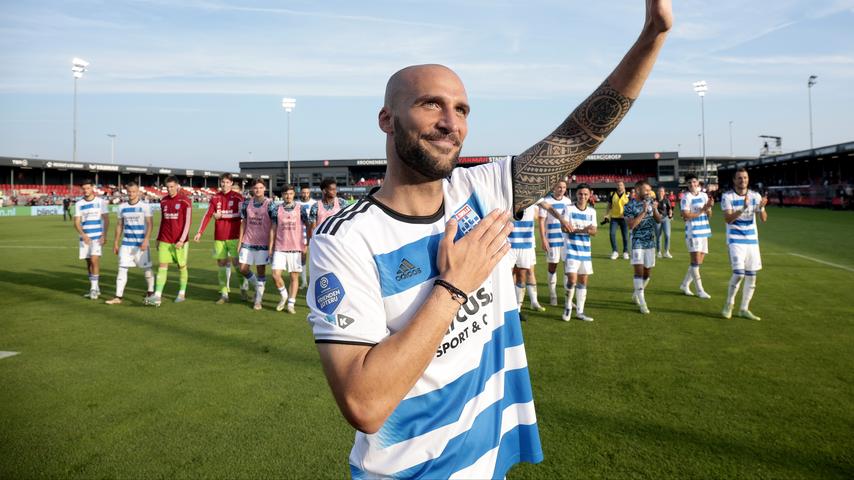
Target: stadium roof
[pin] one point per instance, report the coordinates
(104, 167)
(830, 150)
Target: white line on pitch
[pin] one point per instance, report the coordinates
(843, 267)
(7, 354)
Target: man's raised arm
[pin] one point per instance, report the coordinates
(558, 155)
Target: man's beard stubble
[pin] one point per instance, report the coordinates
(418, 159)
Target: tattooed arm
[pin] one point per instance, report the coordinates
(538, 168)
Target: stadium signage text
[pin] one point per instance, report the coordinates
(137, 169)
(22, 163)
(64, 165)
(376, 161)
(108, 168)
(605, 156)
(190, 173)
(165, 171)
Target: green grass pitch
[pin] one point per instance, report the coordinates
(200, 390)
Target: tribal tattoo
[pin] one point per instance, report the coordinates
(537, 169)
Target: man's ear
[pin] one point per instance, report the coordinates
(385, 120)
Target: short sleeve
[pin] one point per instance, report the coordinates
(243, 206)
(684, 205)
(344, 298)
(146, 209)
(312, 212)
(726, 202)
(629, 211)
(77, 212)
(492, 182)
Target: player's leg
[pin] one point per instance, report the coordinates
(246, 271)
(752, 266)
(94, 276)
(530, 279)
(613, 236)
(164, 257)
(232, 247)
(220, 254)
(293, 288)
(685, 286)
(658, 229)
(638, 279)
(667, 225)
(571, 277)
(581, 295)
(280, 285)
(121, 275)
(696, 261)
(180, 257)
(261, 278)
(552, 268)
(624, 231)
(518, 281)
(303, 277)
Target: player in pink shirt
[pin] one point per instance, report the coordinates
(255, 240)
(287, 246)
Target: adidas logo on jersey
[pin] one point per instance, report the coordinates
(406, 270)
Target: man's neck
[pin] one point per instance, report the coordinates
(557, 197)
(742, 191)
(329, 200)
(258, 199)
(89, 198)
(409, 193)
(132, 201)
(581, 206)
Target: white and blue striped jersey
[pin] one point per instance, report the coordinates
(522, 237)
(578, 244)
(697, 227)
(90, 212)
(471, 414)
(553, 229)
(743, 231)
(133, 220)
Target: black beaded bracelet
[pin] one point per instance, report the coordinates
(457, 295)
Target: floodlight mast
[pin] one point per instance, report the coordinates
(78, 68)
(701, 88)
(810, 83)
(289, 104)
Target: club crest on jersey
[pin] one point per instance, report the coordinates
(328, 293)
(467, 218)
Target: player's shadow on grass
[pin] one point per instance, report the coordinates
(717, 446)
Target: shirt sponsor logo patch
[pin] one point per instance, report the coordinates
(328, 293)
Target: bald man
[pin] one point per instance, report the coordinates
(412, 310)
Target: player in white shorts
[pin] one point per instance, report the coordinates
(740, 207)
(696, 207)
(551, 234)
(580, 225)
(255, 230)
(305, 203)
(132, 241)
(288, 247)
(642, 214)
(91, 220)
(522, 249)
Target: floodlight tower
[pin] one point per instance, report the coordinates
(289, 104)
(112, 147)
(810, 82)
(701, 88)
(78, 68)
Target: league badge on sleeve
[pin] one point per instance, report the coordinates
(328, 293)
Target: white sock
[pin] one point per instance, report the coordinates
(259, 288)
(181, 293)
(749, 287)
(532, 294)
(686, 282)
(249, 279)
(695, 274)
(580, 297)
(227, 276)
(292, 301)
(520, 294)
(149, 279)
(553, 284)
(638, 284)
(121, 281)
(734, 283)
(570, 295)
(646, 282)
(93, 282)
(283, 292)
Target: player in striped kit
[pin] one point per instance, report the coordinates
(579, 224)
(91, 220)
(176, 211)
(740, 207)
(696, 209)
(525, 255)
(287, 246)
(224, 207)
(412, 310)
(255, 241)
(328, 205)
(305, 203)
(642, 215)
(551, 235)
(132, 242)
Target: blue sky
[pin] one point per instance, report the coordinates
(198, 84)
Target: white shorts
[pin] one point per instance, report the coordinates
(524, 257)
(698, 245)
(580, 267)
(643, 256)
(130, 257)
(288, 261)
(253, 257)
(91, 250)
(556, 254)
(745, 257)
